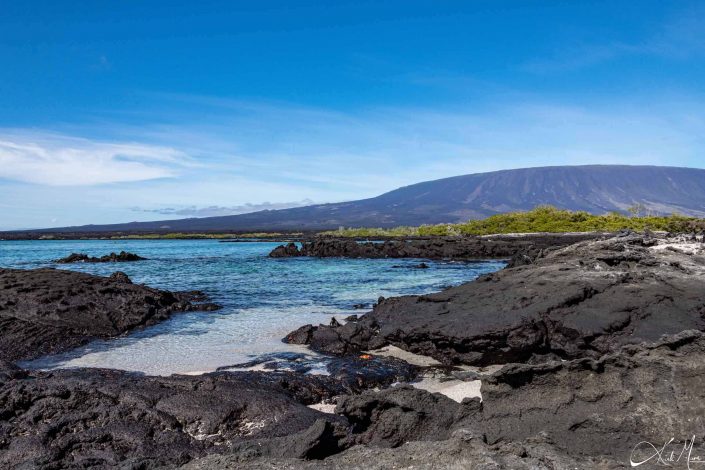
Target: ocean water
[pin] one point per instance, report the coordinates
(263, 298)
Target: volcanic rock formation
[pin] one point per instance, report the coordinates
(46, 311)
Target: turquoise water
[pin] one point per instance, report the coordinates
(262, 298)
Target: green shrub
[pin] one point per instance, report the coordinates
(540, 219)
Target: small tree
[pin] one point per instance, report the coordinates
(637, 209)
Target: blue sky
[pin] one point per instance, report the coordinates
(142, 110)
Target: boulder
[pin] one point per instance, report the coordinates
(46, 311)
(584, 300)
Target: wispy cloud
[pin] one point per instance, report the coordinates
(220, 157)
(212, 211)
(58, 160)
(582, 56)
(680, 37)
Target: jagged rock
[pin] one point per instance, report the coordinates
(285, 251)
(651, 392)
(105, 418)
(121, 257)
(9, 371)
(465, 375)
(585, 408)
(301, 336)
(45, 311)
(350, 338)
(367, 371)
(455, 453)
(320, 440)
(349, 374)
(120, 276)
(416, 266)
(584, 300)
(582, 413)
(402, 414)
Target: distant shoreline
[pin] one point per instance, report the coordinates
(122, 235)
(240, 238)
(540, 220)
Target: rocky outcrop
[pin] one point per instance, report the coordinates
(45, 311)
(285, 251)
(352, 374)
(582, 413)
(460, 452)
(584, 300)
(586, 407)
(121, 257)
(496, 246)
(105, 418)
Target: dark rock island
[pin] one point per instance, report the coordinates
(121, 257)
(488, 247)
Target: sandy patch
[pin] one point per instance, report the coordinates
(454, 389)
(689, 248)
(323, 407)
(411, 358)
(194, 372)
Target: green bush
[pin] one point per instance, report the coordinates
(540, 219)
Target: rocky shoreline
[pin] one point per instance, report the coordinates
(47, 311)
(459, 248)
(584, 300)
(597, 346)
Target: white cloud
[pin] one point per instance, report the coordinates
(212, 211)
(289, 153)
(371, 151)
(58, 160)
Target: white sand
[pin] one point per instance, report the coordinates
(411, 358)
(689, 248)
(195, 372)
(324, 407)
(454, 389)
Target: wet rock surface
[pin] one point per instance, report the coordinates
(121, 257)
(497, 246)
(584, 300)
(351, 374)
(46, 311)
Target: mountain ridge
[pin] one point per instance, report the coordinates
(592, 188)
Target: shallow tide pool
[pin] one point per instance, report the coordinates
(262, 298)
